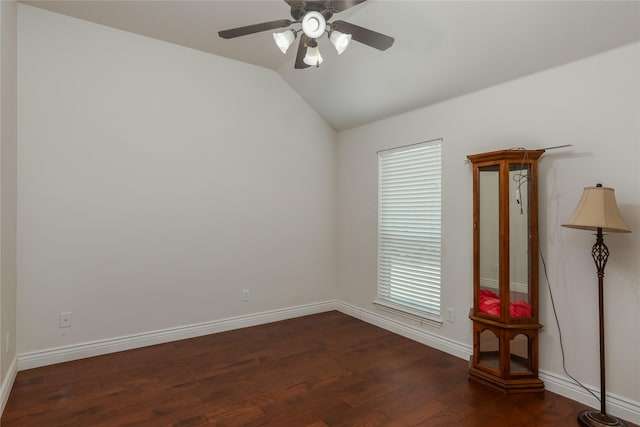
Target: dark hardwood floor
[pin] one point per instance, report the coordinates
(322, 370)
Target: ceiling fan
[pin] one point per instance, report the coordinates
(313, 16)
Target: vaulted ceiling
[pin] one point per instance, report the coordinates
(442, 49)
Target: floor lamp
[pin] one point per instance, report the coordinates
(598, 211)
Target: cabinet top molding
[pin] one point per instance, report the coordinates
(513, 154)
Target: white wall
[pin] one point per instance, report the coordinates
(8, 184)
(156, 182)
(593, 104)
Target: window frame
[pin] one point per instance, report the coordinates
(426, 312)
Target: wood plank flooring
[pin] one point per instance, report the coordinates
(322, 370)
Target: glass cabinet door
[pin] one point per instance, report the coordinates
(519, 242)
(489, 239)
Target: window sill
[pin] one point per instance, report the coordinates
(418, 316)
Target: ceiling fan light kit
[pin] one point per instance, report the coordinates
(339, 40)
(313, 56)
(313, 15)
(284, 39)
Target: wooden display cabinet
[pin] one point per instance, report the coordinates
(505, 270)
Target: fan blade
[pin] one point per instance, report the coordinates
(364, 35)
(340, 5)
(255, 28)
(302, 51)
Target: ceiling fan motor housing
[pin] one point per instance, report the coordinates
(313, 24)
(300, 9)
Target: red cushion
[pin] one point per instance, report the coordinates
(490, 304)
(520, 309)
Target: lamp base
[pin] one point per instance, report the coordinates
(598, 419)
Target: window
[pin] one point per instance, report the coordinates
(409, 232)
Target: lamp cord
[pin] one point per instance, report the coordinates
(555, 314)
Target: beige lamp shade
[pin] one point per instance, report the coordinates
(598, 209)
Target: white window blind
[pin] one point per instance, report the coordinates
(409, 228)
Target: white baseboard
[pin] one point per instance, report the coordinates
(7, 384)
(438, 342)
(514, 286)
(624, 408)
(618, 406)
(51, 356)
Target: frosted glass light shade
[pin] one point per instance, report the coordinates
(339, 40)
(313, 24)
(313, 56)
(598, 209)
(284, 39)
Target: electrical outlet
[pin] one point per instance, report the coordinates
(245, 295)
(450, 315)
(64, 321)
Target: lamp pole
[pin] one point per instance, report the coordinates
(600, 254)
